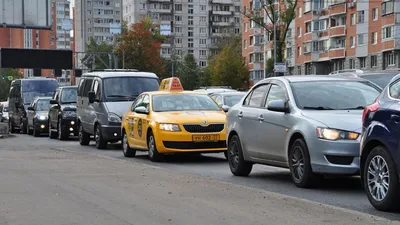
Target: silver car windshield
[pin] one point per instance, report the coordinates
(334, 95)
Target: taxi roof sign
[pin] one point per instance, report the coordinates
(171, 84)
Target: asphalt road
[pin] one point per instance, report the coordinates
(344, 192)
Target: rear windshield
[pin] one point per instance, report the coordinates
(334, 95)
(38, 88)
(380, 79)
(232, 99)
(128, 88)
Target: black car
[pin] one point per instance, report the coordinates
(62, 113)
(380, 78)
(37, 116)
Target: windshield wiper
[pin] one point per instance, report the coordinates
(317, 107)
(358, 107)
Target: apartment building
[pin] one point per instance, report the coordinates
(196, 26)
(93, 19)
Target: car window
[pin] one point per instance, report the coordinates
(145, 102)
(128, 88)
(183, 102)
(394, 89)
(55, 96)
(380, 79)
(218, 99)
(334, 95)
(275, 93)
(42, 105)
(81, 87)
(96, 89)
(88, 86)
(137, 102)
(69, 95)
(232, 99)
(258, 94)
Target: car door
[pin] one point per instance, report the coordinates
(79, 99)
(54, 110)
(248, 119)
(96, 113)
(272, 132)
(393, 113)
(131, 121)
(30, 114)
(142, 122)
(87, 109)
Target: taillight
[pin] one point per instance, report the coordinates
(370, 108)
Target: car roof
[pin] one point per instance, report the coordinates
(173, 92)
(62, 87)
(307, 78)
(120, 74)
(229, 93)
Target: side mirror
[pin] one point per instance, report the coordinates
(91, 96)
(278, 106)
(141, 110)
(225, 108)
(30, 108)
(53, 102)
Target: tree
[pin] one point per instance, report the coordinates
(98, 61)
(6, 83)
(227, 67)
(140, 47)
(188, 72)
(282, 18)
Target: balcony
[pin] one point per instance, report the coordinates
(337, 52)
(338, 9)
(308, 37)
(160, 10)
(337, 31)
(160, 0)
(222, 13)
(223, 24)
(257, 49)
(225, 2)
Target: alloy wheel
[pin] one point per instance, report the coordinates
(233, 154)
(298, 163)
(125, 143)
(151, 146)
(378, 178)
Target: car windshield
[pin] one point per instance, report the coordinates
(128, 88)
(380, 79)
(232, 100)
(183, 102)
(43, 105)
(37, 88)
(334, 95)
(69, 95)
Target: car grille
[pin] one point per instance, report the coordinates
(194, 145)
(197, 128)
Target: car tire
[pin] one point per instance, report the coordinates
(154, 155)
(36, 133)
(98, 137)
(237, 164)
(23, 128)
(300, 165)
(29, 130)
(84, 138)
(385, 176)
(62, 135)
(11, 127)
(128, 151)
(52, 134)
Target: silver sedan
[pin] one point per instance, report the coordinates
(309, 124)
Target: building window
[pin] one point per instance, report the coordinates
(203, 63)
(374, 38)
(387, 32)
(360, 39)
(308, 27)
(389, 59)
(352, 41)
(178, 18)
(203, 30)
(353, 19)
(375, 14)
(298, 51)
(299, 32)
(361, 16)
(300, 12)
(190, 11)
(203, 19)
(203, 53)
(178, 40)
(190, 45)
(178, 29)
(387, 7)
(178, 7)
(289, 53)
(352, 63)
(245, 43)
(374, 61)
(203, 8)
(363, 62)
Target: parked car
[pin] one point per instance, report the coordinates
(22, 93)
(309, 124)
(214, 89)
(103, 98)
(380, 142)
(37, 116)
(62, 113)
(228, 99)
(381, 78)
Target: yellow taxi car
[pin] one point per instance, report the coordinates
(171, 121)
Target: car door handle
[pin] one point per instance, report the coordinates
(395, 118)
(261, 118)
(240, 115)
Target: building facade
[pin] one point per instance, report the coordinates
(329, 35)
(196, 26)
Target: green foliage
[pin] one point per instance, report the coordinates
(188, 72)
(270, 65)
(228, 68)
(5, 84)
(97, 61)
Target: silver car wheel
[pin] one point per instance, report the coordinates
(125, 144)
(378, 178)
(298, 163)
(233, 155)
(151, 146)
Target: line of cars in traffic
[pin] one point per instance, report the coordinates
(311, 125)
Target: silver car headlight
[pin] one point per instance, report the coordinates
(334, 134)
(169, 127)
(69, 114)
(114, 118)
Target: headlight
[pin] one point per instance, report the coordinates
(114, 118)
(42, 117)
(333, 135)
(169, 127)
(69, 114)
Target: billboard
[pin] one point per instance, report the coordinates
(165, 29)
(30, 14)
(35, 58)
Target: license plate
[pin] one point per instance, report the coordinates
(205, 138)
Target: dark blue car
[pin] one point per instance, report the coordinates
(380, 148)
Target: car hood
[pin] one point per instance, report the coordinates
(68, 107)
(194, 117)
(348, 120)
(42, 113)
(119, 108)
